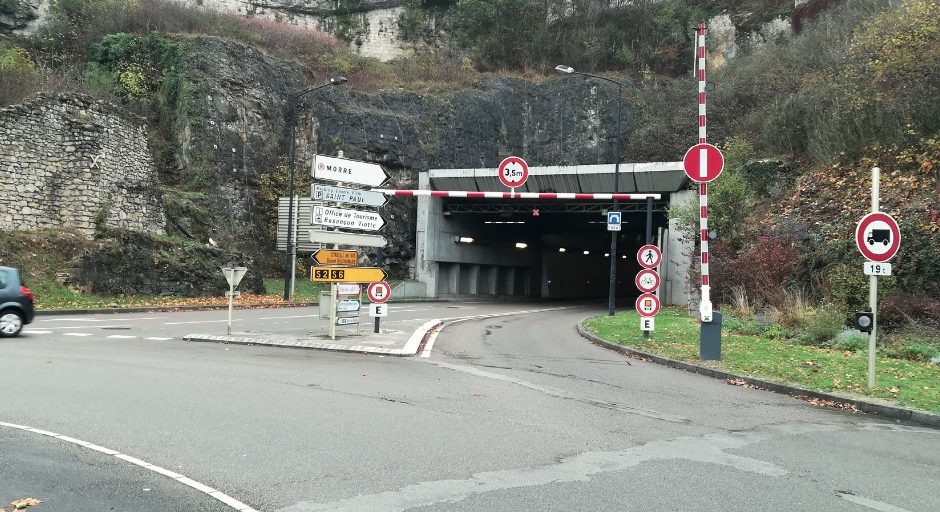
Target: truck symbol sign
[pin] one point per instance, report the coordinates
(882, 236)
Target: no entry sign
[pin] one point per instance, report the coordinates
(513, 171)
(878, 237)
(703, 163)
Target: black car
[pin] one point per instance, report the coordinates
(16, 303)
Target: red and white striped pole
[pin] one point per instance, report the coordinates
(705, 306)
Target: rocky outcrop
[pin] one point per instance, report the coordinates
(70, 161)
(129, 263)
(16, 14)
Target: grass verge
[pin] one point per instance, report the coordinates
(908, 383)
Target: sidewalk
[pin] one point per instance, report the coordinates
(399, 338)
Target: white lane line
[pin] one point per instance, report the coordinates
(880, 506)
(396, 310)
(76, 334)
(30, 331)
(89, 327)
(203, 488)
(101, 319)
(122, 336)
(291, 316)
(158, 339)
(202, 322)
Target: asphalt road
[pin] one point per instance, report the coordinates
(506, 414)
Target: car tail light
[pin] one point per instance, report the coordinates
(27, 292)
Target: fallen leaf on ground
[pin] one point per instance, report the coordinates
(25, 502)
(740, 382)
(895, 390)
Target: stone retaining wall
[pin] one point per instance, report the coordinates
(71, 161)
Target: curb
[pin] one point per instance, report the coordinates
(889, 411)
(153, 309)
(409, 349)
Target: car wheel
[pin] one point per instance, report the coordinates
(11, 323)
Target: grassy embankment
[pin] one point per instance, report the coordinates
(909, 383)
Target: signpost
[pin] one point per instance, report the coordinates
(347, 305)
(348, 171)
(347, 275)
(347, 218)
(614, 221)
(345, 195)
(347, 320)
(341, 238)
(878, 238)
(234, 276)
(335, 257)
(378, 294)
(348, 289)
(513, 172)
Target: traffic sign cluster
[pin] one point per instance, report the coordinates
(647, 281)
(338, 208)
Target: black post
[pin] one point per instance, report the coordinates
(289, 247)
(377, 320)
(649, 235)
(612, 293)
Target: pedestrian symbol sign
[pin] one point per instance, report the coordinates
(614, 221)
(649, 256)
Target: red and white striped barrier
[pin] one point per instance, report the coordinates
(515, 195)
(705, 308)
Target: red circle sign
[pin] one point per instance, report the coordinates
(703, 163)
(379, 292)
(647, 305)
(649, 256)
(647, 280)
(513, 171)
(878, 237)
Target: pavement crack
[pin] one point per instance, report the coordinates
(360, 395)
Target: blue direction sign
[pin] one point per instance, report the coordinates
(613, 221)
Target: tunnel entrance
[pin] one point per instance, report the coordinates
(550, 249)
(558, 250)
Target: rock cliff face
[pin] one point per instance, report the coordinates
(233, 130)
(70, 161)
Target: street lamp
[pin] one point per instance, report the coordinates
(289, 253)
(568, 70)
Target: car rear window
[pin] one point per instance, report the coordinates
(3, 279)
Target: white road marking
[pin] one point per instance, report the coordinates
(396, 310)
(89, 327)
(121, 336)
(880, 506)
(202, 322)
(30, 331)
(101, 319)
(291, 316)
(158, 339)
(205, 489)
(427, 346)
(76, 334)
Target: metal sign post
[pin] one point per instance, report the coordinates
(333, 311)
(234, 276)
(873, 283)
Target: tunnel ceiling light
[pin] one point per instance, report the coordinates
(504, 222)
(587, 252)
(464, 240)
(606, 254)
(561, 249)
(624, 256)
(521, 245)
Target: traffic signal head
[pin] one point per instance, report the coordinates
(864, 321)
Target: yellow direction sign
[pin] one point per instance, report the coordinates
(333, 257)
(347, 275)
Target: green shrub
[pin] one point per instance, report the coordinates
(18, 76)
(923, 352)
(821, 325)
(851, 342)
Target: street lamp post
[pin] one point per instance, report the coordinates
(289, 253)
(611, 294)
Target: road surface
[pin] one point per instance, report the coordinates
(506, 413)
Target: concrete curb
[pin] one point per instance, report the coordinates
(409, 349)
(888, 411)
(153, 309)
